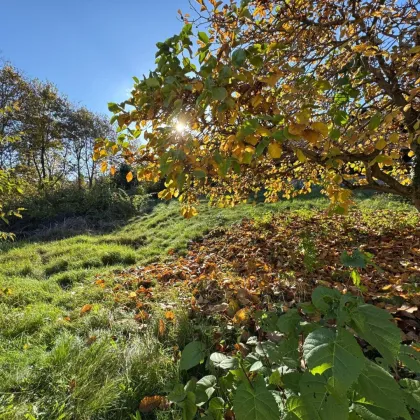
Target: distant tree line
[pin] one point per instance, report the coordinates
(46, 142)
(46, 138)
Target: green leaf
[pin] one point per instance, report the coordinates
(325, 349)
(356, 259)
(324, 298)
(411, 389)
(152, 82)
(374, 325)
(317, 402)
(192, 355)
(340, 118)
(202, 36)
(238, 57)
(288, 322)
(219, 93)
(256, 366)
(189, 407)
(190, 385)
(355, 277)
(224, 362)
(375, 121)
(410, 358)
(216, 407)
(205, 388)
(379, 393)
(113, 107)
(255, 403)
(178, 394)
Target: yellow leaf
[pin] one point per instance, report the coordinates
(274, 150)
(104, 166)
(380, 144)
(129, 177)
(300, 155)
(265, 132)
(256, 100)
(296, 129)
(320, 127)
(251, 139)
(303, 116)
(112, 170)
(410, 153)
(312, 136)
(132, 295)
(394, 137)
(241, 316)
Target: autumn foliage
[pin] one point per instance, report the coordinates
(266, 93)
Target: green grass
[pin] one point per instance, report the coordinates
(100, 364)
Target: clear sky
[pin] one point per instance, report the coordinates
(89, 48)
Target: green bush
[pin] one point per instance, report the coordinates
(70, 208)
(348, 364)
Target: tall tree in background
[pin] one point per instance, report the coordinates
(266, 93)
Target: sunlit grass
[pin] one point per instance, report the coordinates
(58, 364)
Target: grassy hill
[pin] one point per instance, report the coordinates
(69, 349)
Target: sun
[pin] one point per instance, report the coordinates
(180, 127)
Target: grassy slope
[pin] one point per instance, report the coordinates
(56, 363)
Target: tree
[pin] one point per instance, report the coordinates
(275, 92)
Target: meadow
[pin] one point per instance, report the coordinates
(71, 347)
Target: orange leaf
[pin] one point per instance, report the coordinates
(148, 404)
(141, 316)
(85, 308)
(169, 315)
(129, 177)
(162, 327)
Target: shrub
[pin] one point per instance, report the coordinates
(328, 359)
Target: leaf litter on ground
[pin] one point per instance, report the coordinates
(280, 259)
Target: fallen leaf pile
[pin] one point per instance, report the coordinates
(282, 259)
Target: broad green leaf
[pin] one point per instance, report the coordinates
(152, 82)
(205, 389)
(379, 393)
(288, 322)
(324, 298)
(238, 57)
(216, 407)
(192, 355)
(189, 407)
(410, 358)
(375, 326)
(224, 362)
(256, 366)
(113, 107)
(219, 93)
(325, 349)
(411, 389)
(178, 394)
(356, 259)
(318, 402)
(255, 403)
(202, 36)
(340, 118)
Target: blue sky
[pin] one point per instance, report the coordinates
(89, 48)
